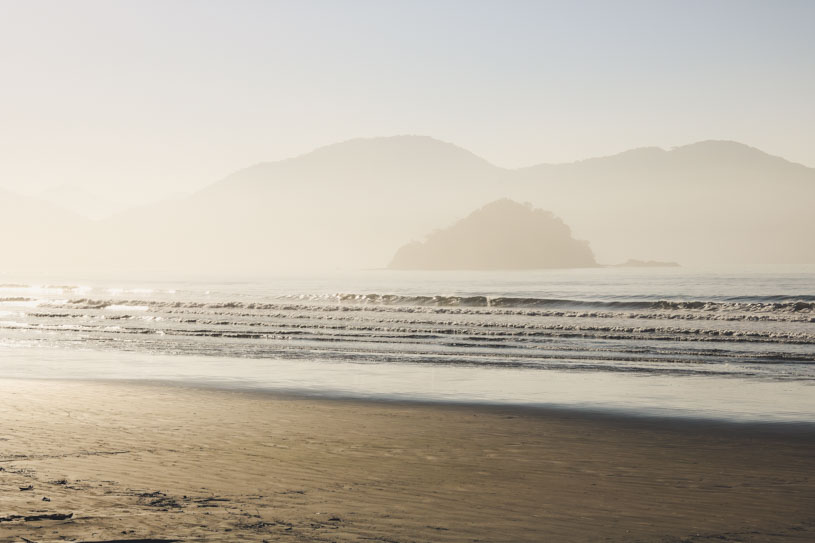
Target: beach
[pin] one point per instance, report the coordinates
(101, 461)
(407, 272)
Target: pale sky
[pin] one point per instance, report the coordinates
(135, 98)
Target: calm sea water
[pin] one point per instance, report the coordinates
(710, 343)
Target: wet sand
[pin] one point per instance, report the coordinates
(100, 461)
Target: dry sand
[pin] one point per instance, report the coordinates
(131, 461)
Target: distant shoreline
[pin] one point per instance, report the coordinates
(634, 263)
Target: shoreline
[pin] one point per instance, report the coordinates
(704, 397)
(634, 416)
(792, 428)
(141, 459)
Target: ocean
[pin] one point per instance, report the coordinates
(700, 343)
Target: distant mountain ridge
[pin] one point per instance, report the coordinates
(723, 150)
(349, 204)
(400, 155)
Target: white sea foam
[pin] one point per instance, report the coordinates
(124, 307)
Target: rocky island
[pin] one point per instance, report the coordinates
(501, 235)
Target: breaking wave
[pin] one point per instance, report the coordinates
(794, 304)
(770, 335)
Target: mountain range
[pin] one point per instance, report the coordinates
(352, 204)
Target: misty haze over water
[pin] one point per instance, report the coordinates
(229, 285)
(354, 204)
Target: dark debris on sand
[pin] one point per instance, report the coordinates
(133, 541)
(34, 518)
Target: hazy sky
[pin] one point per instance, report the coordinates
(144, 97)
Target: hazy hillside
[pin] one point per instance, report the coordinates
(710, 202)
(407, 162)
(503, 235)
(345, 205)
(36, 234)
(348, 205)
(80, 201)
